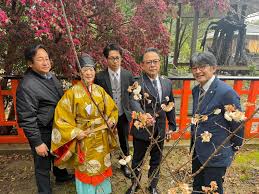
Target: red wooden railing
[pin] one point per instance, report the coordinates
(183, 118)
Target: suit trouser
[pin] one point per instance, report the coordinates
(207, 175)
(123, 133)
(42, 168)
(140, 148)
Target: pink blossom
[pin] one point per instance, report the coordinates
(3, 18)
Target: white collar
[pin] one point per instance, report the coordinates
(206, 86)
(111, 72)
(151, 79)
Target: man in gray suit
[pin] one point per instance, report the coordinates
(159, 91)
(115, 80)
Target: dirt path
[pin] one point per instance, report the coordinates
(17, 176)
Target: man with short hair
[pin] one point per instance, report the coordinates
(36, 98)
(209, 95)
(155, 91)
(115, 80)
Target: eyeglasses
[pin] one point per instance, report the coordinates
(150, 62)
(114, 58)
(200, 67)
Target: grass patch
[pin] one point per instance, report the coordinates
(248, 158)
(247, 162)
(245, 177)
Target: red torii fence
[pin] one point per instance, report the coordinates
(183, 119)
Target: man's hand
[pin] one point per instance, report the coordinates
(42, 150)
(150, 120)
(168, 135)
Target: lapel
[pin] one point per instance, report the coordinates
(195, 93)
(209, 95)
(122, 79)
(108, 82)
(164, 88)
(149, 86)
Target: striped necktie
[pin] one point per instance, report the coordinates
(154, 82)
(201, 95)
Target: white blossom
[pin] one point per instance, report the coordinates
(217, 111)
(137, 97)
(122, 162)
(227, 116)
(128, 158)
(205, 136)
(137, 90)
(2, 71)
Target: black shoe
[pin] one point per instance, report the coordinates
(126, 171)
(65, 179)
(153, 190)
(133, 188)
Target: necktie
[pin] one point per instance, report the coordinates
(155, 87)
(201, 95)
(115, 82)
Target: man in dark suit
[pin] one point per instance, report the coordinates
(37, 96)
(115, 80)
(159, 91)
(209, 95)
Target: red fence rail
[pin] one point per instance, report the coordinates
(245, 86)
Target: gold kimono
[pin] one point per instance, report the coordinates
(76, 112)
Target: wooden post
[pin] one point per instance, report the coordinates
(177, 34)
(194, 31)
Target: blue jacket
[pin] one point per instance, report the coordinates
(218, 95)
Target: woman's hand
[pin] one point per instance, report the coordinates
(81, 135)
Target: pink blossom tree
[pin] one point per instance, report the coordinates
(93, 23)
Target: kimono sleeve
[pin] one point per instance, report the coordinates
(64, 125)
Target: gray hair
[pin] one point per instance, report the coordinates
(204, 58)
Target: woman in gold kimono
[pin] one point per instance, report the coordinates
(81, 138)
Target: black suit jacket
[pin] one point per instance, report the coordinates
(141, 106)
(102, 79)
(36, 99)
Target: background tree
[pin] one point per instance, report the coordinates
(93, 23)
(135, 25)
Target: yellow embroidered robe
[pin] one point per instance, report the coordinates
(75, 112)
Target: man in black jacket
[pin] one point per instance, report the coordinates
(37, 95)
(155, 93)
(116, 80)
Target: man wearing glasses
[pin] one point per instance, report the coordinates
(209, 95)
(115, 80)
(157, 91)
